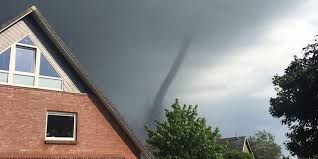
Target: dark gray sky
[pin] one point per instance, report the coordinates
(128, 47)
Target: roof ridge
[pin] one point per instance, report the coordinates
(233, 137)
(33, 7)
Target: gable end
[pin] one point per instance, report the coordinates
(79, 71)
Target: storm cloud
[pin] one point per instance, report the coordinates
(129, 47)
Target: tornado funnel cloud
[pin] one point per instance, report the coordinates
(157, 107)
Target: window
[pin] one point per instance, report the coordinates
(24, 66)
(50, 83)
(49, 78)
(28, 67)
(46, 68)
(25, 59)
(26, 40)
(4, 65)
(3, 77)
(60, 126)
(23, 80)
(5, 60)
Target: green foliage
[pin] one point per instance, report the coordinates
(263, 146)
(184, 135)
(235, 154)
(285, 157)
(296, 103)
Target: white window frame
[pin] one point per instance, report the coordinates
(36, 73)
(14, 72)
(74, 115)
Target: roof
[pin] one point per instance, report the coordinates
(234, 142)
(237, 143)
(58, 42)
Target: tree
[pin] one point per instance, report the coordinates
(184, 135)
(296, 102)
(263, 146)
(235, 154)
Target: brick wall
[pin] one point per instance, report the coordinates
(23, 119)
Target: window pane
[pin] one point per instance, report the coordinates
(50, 83)
(26, 40)
(23, 80)
(25, 59)
(46, 68)
(5, 59)
(3, 77)
(60, 126)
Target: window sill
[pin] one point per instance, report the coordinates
(61, 142)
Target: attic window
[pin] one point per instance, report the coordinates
(4, 65)
(26, 40)
(60, 126)
(5, 60)
(46, 68)
(28, 67)
(25, 59)
(48, 77)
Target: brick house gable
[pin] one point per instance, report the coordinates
(101, 130)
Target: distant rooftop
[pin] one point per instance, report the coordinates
(234, 142)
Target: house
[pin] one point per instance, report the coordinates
(49, 106)
(237, 143)
(234, 143)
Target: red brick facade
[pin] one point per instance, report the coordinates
(23, 119)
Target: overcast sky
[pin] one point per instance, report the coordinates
(129, 47)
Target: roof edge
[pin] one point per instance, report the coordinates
(33, 8)
(249, 146)
(18, 17)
